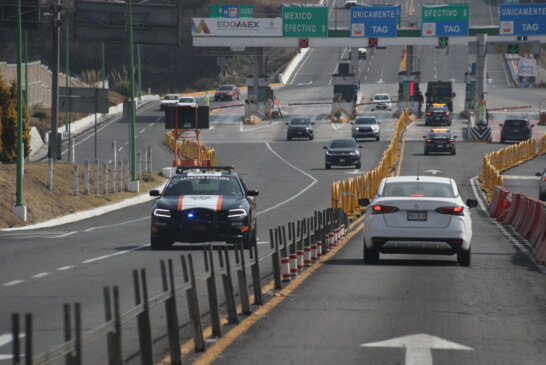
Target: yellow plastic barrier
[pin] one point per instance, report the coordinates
(496, 162)
(189, 149)
(346, 193)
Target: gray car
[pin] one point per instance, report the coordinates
(366, 127)
(542, 185)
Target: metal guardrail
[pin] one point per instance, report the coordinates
(307, 240)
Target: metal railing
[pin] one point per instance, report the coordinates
(307, 240)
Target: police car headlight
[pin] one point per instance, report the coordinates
(162, 213)
(356, 128)
(375, 128)
(235, 213)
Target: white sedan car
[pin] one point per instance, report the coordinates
(381, 101)
(169, 99)
(418, 215)
(187, 101)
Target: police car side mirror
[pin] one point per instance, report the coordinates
(252, 193)
(538, 174)
(312, 123)
(500, 125)
(359, 146)
(454, 137)
(532, 125)
(424, 136)
(352, 123)
(471, 203)
(287, 123)
(363, 202)
(154, 193)
(378, 122)
(324, 147)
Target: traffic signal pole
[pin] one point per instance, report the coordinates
(480, 101)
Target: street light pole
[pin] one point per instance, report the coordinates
(134, 184)
(56, 22)
(19, 209)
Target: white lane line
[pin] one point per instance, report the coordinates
(64, 268)
(119, 149)
(41, 275)
(523, 248)
(142, 131)
(12, 283)
(296, 72)
(115, 225)
(242, 129)
(126, 142)
(113, 254)
(299, 193)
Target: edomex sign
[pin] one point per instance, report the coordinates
(522, 19)
(444, 20)
(304, 21)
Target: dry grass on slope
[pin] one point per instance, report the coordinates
(43, 204)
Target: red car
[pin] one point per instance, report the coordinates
(227, 92)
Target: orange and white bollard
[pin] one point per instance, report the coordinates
(300, 260)
(293, 265)
(343, 232)
(313, 249)
(285, 269)
(319, 250)
(307, 256)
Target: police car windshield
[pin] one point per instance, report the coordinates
(204, 184)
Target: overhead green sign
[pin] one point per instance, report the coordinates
(443, 20)
(216, 11)
(231, 11)
(304, 21)
(246, 11)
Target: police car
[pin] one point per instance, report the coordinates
(203, 204)
(440, 140)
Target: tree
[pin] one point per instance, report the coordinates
(8, 123)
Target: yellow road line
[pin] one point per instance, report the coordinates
(401, 158)
(212, 352)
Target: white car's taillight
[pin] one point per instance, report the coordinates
(232, 213)
(451, 210)
(162, 213)
(383, 209)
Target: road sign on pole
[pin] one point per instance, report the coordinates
(374, 21)
(304, 21)
(444, 20)
(522, 19)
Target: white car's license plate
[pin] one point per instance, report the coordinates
(414, 215)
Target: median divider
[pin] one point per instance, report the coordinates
(190, 150)
(346, 193)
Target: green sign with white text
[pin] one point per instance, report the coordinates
(445, 13)
(304, 21)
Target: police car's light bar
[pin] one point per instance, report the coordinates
(182, 169)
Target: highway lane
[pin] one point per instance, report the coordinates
(492, 312)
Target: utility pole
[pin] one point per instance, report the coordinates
(67, 83)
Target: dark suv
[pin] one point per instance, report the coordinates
(300, 128)
(438, 113)
(516, 130)
(440, 140)
(342, 152)
(203, 204)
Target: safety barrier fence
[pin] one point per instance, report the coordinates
(190, 149)
(495, 163)
(525, 214)
(308, 241)
(345, 193)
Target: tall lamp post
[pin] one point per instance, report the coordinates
(134, 183)
(19, 209)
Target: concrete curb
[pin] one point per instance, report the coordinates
(74, 217)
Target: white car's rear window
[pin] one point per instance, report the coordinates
(417, 189)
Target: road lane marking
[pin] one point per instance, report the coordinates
(41, 275)
(64, 268)
(294, 196)
(115, 225)
(12, 283)
(113, 254)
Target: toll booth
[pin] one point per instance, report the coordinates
(409, 93)
(346, 94)
(260, 104)
(470, 92)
